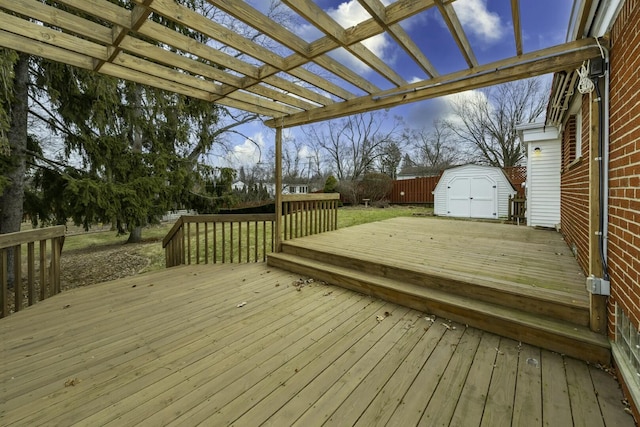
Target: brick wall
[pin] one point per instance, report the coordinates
(624, 174)
(574, 188)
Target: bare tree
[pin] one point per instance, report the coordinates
(487, 119)
(435, 147)
(354, 144)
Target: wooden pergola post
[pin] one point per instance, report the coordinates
(597, 303)
(278, 178)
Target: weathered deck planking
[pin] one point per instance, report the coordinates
(519, 255)
(174, 348)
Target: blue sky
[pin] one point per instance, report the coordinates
(489, 28)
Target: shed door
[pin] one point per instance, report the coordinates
(458, 193)
(483, 197)
(472, 197)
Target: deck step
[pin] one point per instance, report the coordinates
(535, 329)
(549, 303)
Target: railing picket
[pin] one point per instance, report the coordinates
(248, 241)
(197, 243)
(31, 267)
(302, 215)
(4, 286)
(215, 243)
(206, 243)
(17, 278)
(43, 269)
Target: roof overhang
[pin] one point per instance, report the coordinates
(590, 19)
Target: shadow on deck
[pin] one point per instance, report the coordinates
(514, 281)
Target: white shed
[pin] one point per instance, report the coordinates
(543, 174)
(473, 191)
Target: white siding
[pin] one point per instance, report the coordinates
(504, 187)
(543, 183)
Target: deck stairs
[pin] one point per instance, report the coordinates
(550, 319)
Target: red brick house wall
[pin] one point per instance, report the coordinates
(574, 187)
(624, 163)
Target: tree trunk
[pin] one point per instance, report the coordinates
(135, 236)
(136, 146)
(11, 201)
(12, 198)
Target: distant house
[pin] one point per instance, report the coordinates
(238, 186)
(287, 188)
(411, 172)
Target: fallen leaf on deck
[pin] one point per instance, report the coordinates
(66, 306)
(71, 382)
(379, 318)
(242, 304)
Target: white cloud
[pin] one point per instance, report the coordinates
(479, 21)
(352, 13)
(250, 152)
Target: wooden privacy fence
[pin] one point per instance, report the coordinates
(416, 190)
(28, 250)
(244, 238)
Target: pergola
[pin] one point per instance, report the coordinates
(304, 85)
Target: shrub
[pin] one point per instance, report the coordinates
(330, 184)
(376, 186)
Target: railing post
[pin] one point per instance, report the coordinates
(278, 195)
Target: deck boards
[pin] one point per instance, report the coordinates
(499, 252)
(174, 348)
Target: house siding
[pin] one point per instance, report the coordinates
(624, 163)
(574, 187)
(543, 184)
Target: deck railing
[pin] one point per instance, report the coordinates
(227, 238)
(244, 238)
(28, 250)
(307, 214)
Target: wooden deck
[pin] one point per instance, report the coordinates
(515, 281)
(174, 348)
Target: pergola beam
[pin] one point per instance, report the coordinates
(377, 10)
(303, 83)
(321, 20)
(451, 18)
(517, 28)
(557, 58)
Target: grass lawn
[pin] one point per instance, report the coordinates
(151, 247)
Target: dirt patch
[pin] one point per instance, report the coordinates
(95, 265)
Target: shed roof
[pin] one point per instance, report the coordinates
(137, 41)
